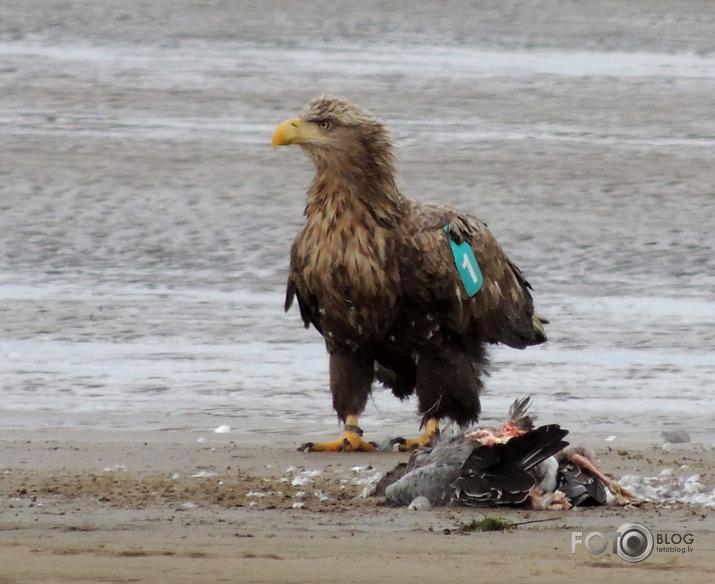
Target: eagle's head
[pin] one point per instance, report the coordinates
(337, 134)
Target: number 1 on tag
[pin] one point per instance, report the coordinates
(466, 265)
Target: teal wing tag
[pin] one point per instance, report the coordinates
(466, 265)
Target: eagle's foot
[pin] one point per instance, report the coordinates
(408, 445)
(349, 441)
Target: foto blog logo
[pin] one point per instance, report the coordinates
(632, 542)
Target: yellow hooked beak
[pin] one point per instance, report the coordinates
(296, 131)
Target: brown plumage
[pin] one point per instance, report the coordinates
(373, 271)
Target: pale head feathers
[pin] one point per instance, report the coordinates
(348, 125)
(338, 110)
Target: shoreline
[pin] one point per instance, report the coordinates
(144, 241)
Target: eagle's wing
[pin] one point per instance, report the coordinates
(296, 288)
(502, 311)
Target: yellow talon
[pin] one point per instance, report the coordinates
(350, 440)
(431, 431)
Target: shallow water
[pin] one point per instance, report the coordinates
(145, 224)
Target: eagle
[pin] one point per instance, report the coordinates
(404, 292)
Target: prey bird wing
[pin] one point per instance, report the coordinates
(501, 473)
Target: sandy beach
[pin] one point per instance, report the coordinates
(171, 507)
(145, 224)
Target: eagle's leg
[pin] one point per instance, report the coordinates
(447, 386)
(431, 431)
(351, 376)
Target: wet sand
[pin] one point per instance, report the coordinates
(171, 507)
(116, 175)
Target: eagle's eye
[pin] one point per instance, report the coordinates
(324, 125)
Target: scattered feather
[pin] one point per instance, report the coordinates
(419, 503)
(669, 487)
(204, 474)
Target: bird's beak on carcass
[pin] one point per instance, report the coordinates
(296, 131)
